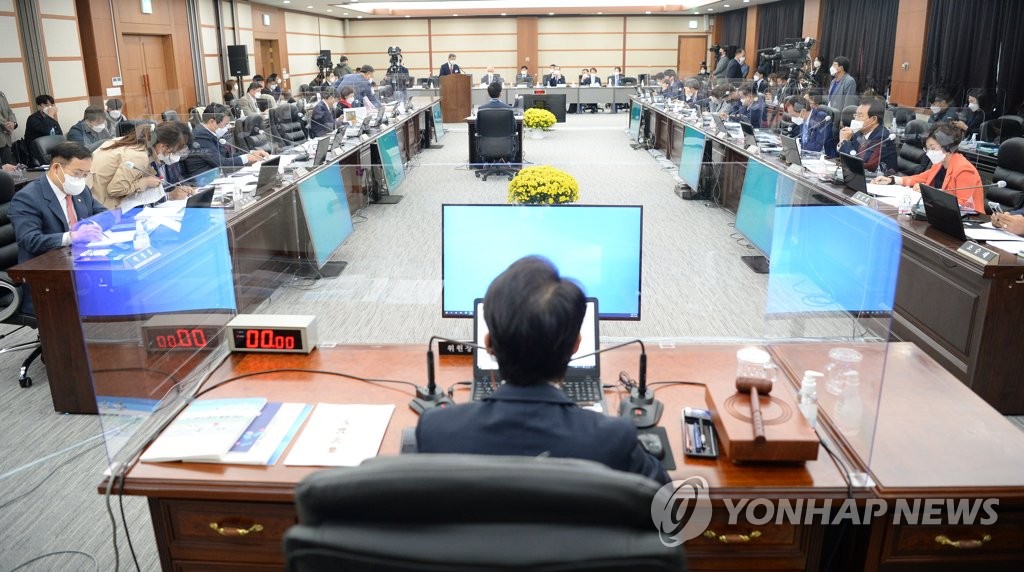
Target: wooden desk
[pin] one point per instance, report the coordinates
(962, 313)
(258, 234)
(910, 459)
(475, 160)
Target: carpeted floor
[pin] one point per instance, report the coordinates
(694, 288)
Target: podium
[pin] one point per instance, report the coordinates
(456, 98)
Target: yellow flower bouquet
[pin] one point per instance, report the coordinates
(535, 118)
(543, 185)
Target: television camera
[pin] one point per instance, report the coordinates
(792, 56)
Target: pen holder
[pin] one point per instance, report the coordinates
(699, 434)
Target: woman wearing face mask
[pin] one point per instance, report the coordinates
(971, 117)
(347, 97)
(819, 72)
(950, 170)
(123, 167)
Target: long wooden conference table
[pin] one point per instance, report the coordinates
(933, 439)
(965, 314)
(261, 232)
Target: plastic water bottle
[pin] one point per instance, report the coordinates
(850, 407)
(141, 239)
(808, 398)
(906, 204)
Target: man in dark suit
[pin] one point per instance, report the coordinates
(321, 117)
(50, 212)
(534, 317)
(615, 79)
(494, 90)
(867, 138)
(751, 108)
(555, 78)
(450, 67)
(360, 84)
(734, 70)
(206, 152)
(43, 122)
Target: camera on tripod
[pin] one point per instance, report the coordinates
(323, 61)
(790, 55)
(395, 53)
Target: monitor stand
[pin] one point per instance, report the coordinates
(388, 199)
(332, 269)
(758, 264)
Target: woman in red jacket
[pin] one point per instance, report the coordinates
(950, 171)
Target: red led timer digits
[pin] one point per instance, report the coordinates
(268, 340)
(182, 338)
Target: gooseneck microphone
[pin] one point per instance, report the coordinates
(640, 406)
(286, 142)
(130, 165)
(224, 141)
(855, 153)
(429, 397)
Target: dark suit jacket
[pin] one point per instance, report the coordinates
(552, 81)
(38, 219)
(532, 421)
(886, 152)
(361, 86)
(448, 69)
(734, 70)
(615, 80)
(753, 114)
(495, 104)
(321, 120)
(40, 124)
(207, 154)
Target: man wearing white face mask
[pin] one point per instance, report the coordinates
(868, 138)
(950, 171)
(91, 131)
(207, 152)
(842, 92)
(734, 71)
(115, 116)
(941, 110)
(48, 213)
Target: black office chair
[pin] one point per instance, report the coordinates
(1001, 129)
(248, 134)
(10, 294)
(912, 158)
(42, 148)
(629, 81)
(169, 115)
(901, 116)
(125, 127)
(286, 126)
(496, 142)
(848, 112)
(1010, 168)
(477, 512)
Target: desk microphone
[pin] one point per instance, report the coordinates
(223, 141)
(328, 127)
(640, 406)
(429, 397)
(131, 166)
(865, 153)
(821, 122)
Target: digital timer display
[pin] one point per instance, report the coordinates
(182, 338)
(267, 339)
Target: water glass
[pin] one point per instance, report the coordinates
(841, 361)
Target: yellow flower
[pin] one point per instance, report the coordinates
(543, 185)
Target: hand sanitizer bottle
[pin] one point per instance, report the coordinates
(808, 398)
(141, 239)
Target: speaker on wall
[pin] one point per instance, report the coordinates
(238, 60)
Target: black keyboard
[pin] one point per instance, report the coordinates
(585, 390)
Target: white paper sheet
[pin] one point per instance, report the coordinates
(887, 190)
(145, 197)
(987, 234)
(111, 238)
(1011, 246)
(340, 435)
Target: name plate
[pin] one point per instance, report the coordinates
(454, 349)
(141, 258)
(978, 252)
(795, 169)
(301, 172)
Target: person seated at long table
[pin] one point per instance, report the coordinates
(810, 125)
(868, 139)
(207, 152)
(534, 316)
(751, 107)
(1012, 221)
(950, 170)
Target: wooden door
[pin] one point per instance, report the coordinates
(148, 78)
(692, 51)
(266, 57)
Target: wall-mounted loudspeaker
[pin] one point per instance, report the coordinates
(238, 60)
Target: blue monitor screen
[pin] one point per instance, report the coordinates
(598, 246)
(763, 188)
(187, 266)
(833, 259)
(325, 207)
(634, 120)
(692, 157)
(391, 159)
(438, 121)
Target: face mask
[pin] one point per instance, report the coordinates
(833, 70)
(99, 128)
(936, 156)
(935, 109)
(797, 120)
(350, 99)
(741, 59)
(114, 114)
(221, 131)
(817, 65)
(757, 78)
(73, 185)
(973, 106)
(174, 158)
(856, 124)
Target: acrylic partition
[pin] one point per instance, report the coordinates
(762, 257)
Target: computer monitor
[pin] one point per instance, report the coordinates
(597, 245)
(853, 173)
(268, 175)
(589, 341)
(391, 160)
(833, 259)
(325, 209)
(763, 189)
(692, 157)
(322, 146)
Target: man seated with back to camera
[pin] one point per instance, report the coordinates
(950, 171)
(494, 90)
(868, 139)
(534, 317)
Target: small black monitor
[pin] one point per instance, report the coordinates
(322, 146)
(268, 175)
(853, 173)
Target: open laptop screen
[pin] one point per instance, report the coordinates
(588, 343)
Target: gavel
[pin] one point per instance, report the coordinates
(755, 386)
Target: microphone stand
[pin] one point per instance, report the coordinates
(429, 397)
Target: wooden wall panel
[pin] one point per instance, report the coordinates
(526, 42)
(813, 9)
(910, 46)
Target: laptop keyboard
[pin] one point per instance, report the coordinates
(583, 390)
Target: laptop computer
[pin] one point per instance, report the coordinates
(853, 173)
(749, 138)
(943, 211)
(268, 175)
(202, 199)
(790, 151)
(322, 146)
(582, 382)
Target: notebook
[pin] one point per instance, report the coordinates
(582, 382)
(943, 211)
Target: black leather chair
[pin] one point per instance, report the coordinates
(477, 512)
(1010, 168)
(629, 81)
(10, 294)
(496, 142)
(42, 148)
(169, 115)
(248, 136)
(847, 116)
(1001, 129)
(285, 126)
(901, 116)
(912, 158)
(125, 127)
